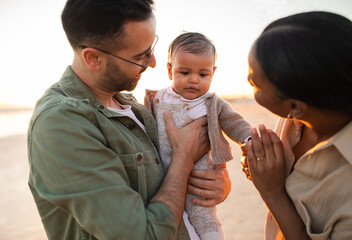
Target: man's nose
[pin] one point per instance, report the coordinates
(152, 61)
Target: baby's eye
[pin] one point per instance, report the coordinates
(184, 73)
(203, 74)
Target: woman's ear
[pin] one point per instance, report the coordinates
(91, 58)
(169, 70)
(298, 108)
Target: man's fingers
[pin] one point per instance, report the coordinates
(201, 121)
(220, 166)
(203, 193)
(206, 174)
(201, 183)
(205, 198)
(169, 121)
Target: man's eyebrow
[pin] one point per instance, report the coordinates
(142, 53)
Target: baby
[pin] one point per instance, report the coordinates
(191, 68)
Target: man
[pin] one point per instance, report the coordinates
(95, 171)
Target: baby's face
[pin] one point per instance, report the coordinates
(191, 74)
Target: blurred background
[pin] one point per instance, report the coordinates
(35, 52)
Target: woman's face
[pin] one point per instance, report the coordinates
(265, 92)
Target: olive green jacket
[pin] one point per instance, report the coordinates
(93, 171)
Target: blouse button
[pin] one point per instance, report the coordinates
(157, 100)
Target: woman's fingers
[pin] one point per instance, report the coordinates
(277, 145)
(267, 143)
(251, 159)
(257, 146)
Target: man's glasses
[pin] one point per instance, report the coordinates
(143, 66)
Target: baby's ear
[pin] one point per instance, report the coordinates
(214, 68)
(169, 70)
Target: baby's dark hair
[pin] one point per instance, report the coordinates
(308, 56)
(191, 42)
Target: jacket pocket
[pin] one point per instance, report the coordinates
(136, 166)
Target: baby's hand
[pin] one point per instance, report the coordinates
(244, 161)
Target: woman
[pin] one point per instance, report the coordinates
(301, 69)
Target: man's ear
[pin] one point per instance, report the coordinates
(169, 70)
(92, 58)
(298, 108)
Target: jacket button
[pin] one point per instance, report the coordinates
(139, 157)
(157, 160)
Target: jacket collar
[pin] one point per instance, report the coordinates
(75, 88)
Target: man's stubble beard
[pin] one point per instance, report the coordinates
(115, 80)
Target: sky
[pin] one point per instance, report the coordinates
(35, 51)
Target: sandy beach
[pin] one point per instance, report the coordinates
(242, 213)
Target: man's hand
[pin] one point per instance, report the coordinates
(190, 142)
(213, 185)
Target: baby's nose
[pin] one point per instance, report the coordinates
(193, 78)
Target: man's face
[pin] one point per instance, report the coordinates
(120, 75)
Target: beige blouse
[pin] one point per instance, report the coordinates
(320, 185)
